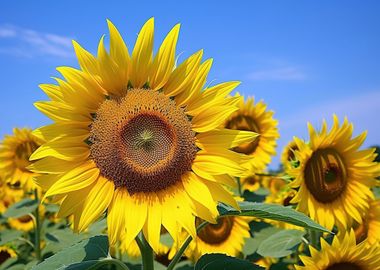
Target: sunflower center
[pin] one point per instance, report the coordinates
(25, 219)
(325, 175)
(344, 266)
(290, 153)
(22, 154)
(4, 255)
(244, 122)
(142, 142)
(216, 233)
(252, 180)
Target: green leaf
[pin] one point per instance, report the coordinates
(271, 211)
(96, 264)
(21, 208)
(93, 248)
(7, 264)
(51, 208)
(59, 239)
(222, 261)
(7, 236)
(252, 244)
(280, 244)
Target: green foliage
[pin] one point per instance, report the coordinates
(252, 244)
(21, 208)
(280, 244)
(7, 236)
(273, 212)
(92, 249)
(221, 261)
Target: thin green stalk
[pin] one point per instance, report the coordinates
(146, 254)
(239, 185)
(37, 228)
(184, 246)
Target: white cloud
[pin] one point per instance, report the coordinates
(30, 43)
(287, 73)
(364, 107)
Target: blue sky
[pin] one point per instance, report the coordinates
(306, 60)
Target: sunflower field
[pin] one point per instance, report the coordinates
(148, 165)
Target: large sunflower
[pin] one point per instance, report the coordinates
(334, 177)
(343, 254)
(256, 118)
(227, 236)
(139, 137)
(15, 151)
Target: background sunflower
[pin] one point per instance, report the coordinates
(334, 178)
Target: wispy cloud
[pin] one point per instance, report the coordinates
(29, 43)
(362, 107)
(287, 73)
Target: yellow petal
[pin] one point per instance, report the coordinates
(163, 62)
(97, 201)
(183, 76)
(56, 149)
(135, 216)
(193, 92)
(86, 60)
(52, 91)
(142, 55)
(224, 138)
(78, 178)
(152, 226)
(199, 192)
(58, 111)
(211, 118)
(118, 50)
(217, 165)
(51, 165)
(115, 216)
(214, 94)
(221, 195)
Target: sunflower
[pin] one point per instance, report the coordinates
(139, 137)
(342, 254)
(370, 227)
(227, 236)
(252, 183)
(24, 223)
(8, 196)
(288, 158)
(15, 151)
(334, 177)
(274, 184)
(256, 118)
(6, 253)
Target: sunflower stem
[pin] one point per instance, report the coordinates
(239, 185)
(146, 254)
(37, 228)
(184, 246)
